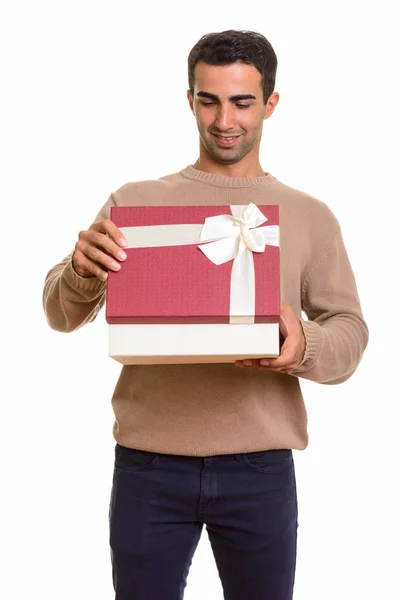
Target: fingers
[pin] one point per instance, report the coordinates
(109, 227)
(253, 363)
(98, 250)
(87, 268)
(94, 259)
(257, 363)
(284, 363)
(292, 350)
(102, 242)
(106, 235)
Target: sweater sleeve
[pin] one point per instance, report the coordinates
(336, 334)
(69, 300)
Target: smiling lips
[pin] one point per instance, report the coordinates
(225, 140)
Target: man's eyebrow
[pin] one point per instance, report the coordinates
(231, 98)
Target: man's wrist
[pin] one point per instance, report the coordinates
(76, 272)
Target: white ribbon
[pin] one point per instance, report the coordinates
(229, 237)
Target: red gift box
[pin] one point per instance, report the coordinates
(179, 298)
(179, 284)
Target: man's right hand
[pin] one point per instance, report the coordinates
(97, 248)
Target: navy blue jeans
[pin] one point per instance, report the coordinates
(160, 502)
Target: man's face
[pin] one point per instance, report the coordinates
(229, 110)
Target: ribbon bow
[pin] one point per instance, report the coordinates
(236, 237)
(233, 234)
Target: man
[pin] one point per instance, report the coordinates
(212, 443)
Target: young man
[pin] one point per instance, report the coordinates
(212, 443)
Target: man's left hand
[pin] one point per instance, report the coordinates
(293, 348)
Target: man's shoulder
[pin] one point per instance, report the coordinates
(146, 189)
(304, 204)
(301, 197)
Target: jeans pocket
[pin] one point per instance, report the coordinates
(130, 459)
(268, 461)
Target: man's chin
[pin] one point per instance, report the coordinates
(226, 158)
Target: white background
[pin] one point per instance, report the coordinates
(93, 96)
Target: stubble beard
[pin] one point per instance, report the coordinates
(227, 156)
(231, 156)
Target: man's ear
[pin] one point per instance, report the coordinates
(190, 100)
(271, 104)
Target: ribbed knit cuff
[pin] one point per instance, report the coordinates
(87, 284)
(313, 336)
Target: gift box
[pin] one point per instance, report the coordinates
(199, 284)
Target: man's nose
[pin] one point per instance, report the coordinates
(225, 118)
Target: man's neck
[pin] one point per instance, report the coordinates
(234, 170)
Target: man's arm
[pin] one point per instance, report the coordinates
(328, 347)
(71, 300)
(336, 334)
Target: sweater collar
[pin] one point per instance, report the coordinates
(224, 180)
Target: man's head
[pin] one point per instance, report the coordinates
(231, 83)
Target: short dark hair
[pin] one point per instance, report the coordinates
(230, 46)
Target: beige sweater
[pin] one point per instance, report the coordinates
(209, 409)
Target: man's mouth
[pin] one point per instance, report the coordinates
(225, 140)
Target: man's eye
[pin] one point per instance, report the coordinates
(208, 103)
(243, 105)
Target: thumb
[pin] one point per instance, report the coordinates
(288, 319)
(283, 327)
(283, 322)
